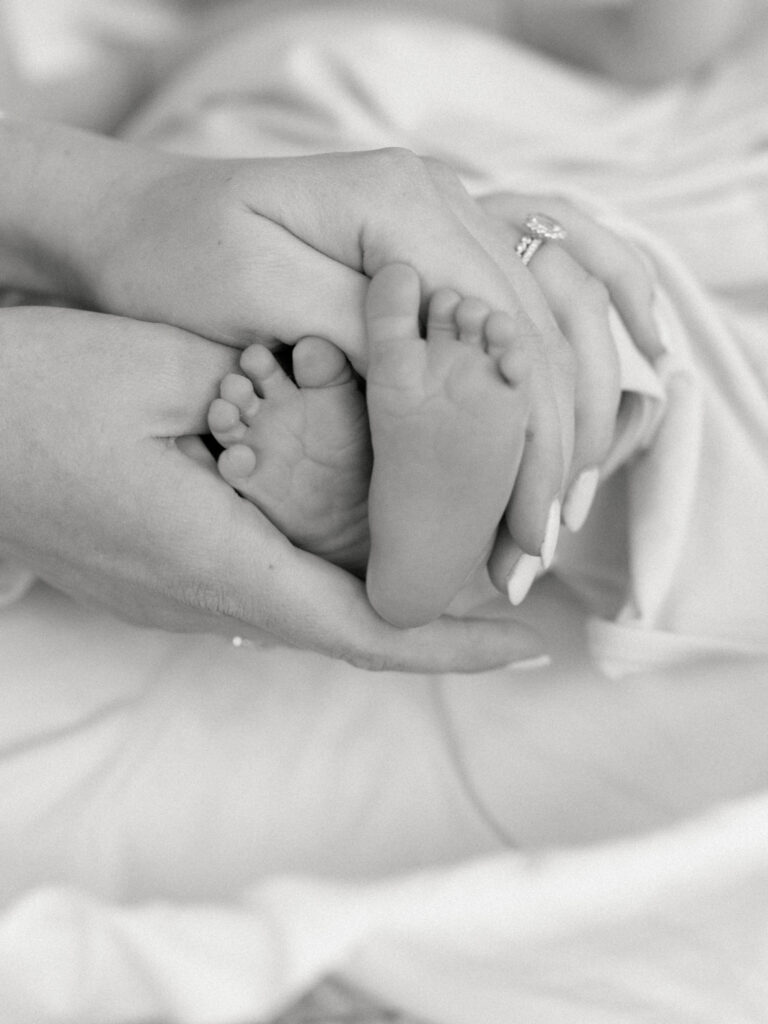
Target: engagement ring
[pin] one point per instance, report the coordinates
(539, 229)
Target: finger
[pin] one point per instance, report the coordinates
(495, 241)
(622, 269)
(580, 304)
(512, 571)
(532, 512)
(619, 264)
(347, 627)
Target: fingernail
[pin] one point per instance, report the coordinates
(578, 500)
(521, 578)
(529, 664)
(552, 533)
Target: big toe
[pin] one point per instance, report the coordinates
(392, 305)
(317, 363)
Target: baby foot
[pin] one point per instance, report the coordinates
(447, 415)
(299, 451)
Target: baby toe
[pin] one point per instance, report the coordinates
(392, 305)
(441, 318)
(267, 375)
(513, 354)
(224, 422)
(317, 363)
(471, 315)
(238, 391)
(236, 464)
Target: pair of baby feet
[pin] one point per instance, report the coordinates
(406, 482)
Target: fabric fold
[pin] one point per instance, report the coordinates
(673, 925)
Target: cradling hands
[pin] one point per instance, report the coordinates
(240, 250)
(91, 407)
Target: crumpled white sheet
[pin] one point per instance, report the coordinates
(669, 927)
(672, 927)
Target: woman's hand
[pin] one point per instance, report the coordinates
(100, 501)
(242, 249)
(580, 278)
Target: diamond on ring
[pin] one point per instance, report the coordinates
(539, 228)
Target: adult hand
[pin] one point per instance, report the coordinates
(242, 249)
(100, 501)
(580, 278)
(239, 249)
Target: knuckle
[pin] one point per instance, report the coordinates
(399, 165)
(439, 171)
(399, 183)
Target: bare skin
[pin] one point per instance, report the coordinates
(448, 415)
(300, 449)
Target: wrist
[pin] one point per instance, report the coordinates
(61, 189)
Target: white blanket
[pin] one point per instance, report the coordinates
(670, 928)
(156, 790)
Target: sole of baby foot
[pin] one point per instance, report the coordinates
(299, 448)
(448, 414)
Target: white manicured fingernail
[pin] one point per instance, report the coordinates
(529, 664)
(552, 533)
(578, 500)
(521, 578)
